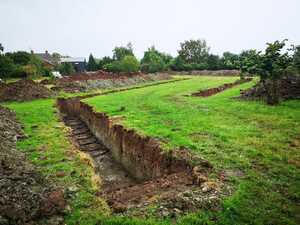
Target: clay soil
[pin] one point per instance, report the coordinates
(214, 91)
(23, 90)
(25, 196)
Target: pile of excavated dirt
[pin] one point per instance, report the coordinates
(207, 72)
(23, 90)
(289, 88)
(102, 80)
(213, 91)
(25, 197)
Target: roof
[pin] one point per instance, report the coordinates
(45, 57)
(70, 59)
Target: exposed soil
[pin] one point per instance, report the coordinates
(214, 91)
(136, 174)
(25, 196)
(101, 79)
(23, 90)
(207, 72)
(289, 88)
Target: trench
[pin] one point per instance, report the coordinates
(221, 88)
(133, 169)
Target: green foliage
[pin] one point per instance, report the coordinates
(66, 69)
(296, 58)
(194, 51)
(7, 67)
(92, 65)
(104, 61)
(153, 61)
(241, 137)
(270, 66)
(1, 48)
(230, 60)
(20, 57)
(120, 52)
(56, 58)
(129, 64)
(214, 62)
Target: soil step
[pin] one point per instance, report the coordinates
(87, 141)
(83, 136)
(81, 131)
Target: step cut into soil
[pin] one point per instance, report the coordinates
(135, 171)
(214, 91)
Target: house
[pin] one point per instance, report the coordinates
(79, 63)
(48, 60)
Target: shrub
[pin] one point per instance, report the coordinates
(129, 64)
(153, 61)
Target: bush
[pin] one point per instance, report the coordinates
(128, 64)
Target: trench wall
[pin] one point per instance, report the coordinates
(141, 156)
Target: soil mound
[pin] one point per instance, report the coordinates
(23, 90)
(213, 91)
(289, 88)
(25, 197)
(102, 80)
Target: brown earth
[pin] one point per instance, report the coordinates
(23, 90)
(25, 196)
(103, 80)
(136, 173)
(289, 88)
(213, 91)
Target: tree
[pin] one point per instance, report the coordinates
(128, 64)
(270, 66)
(194, 51)
(1, 48)
(104, 61)
(7, 67)
(120, 52)
(177, 64)
(153, 61)
(92, 65)
(20, 57)
(213, 62)
(66, 69)
(230, 60)
(56, 58)
(296, 58)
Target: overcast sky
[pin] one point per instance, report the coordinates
(77, 27)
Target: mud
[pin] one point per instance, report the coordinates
(136, 173)
(23, 90)
(214, 91)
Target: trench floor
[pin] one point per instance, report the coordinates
(113, 176)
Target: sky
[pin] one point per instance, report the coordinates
(78, 28)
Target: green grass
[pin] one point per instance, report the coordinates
(259, 140)
(49, 149)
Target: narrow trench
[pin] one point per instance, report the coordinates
(113, 175)
(135, 172)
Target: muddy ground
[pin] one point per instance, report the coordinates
(23, 90)
(25, 196)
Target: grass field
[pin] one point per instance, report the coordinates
(249, 138)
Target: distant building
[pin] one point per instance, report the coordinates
(50, 62)
(47, 59)
(79, 64)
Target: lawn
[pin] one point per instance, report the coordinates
(255, 143)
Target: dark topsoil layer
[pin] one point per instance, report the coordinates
(23, 90)
(25, 197)
(213, 91)
(289, 88)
